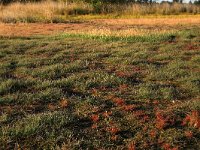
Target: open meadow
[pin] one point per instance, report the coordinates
(101, 84)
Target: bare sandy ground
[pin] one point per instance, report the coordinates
(28, 29)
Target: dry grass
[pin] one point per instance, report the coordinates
(61, 12)
(109, 27)
(17, 11)
(169, 21)
(147, 9)
(41, 12)
(164, 9)
(122, 33)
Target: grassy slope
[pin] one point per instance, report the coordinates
(96, 92)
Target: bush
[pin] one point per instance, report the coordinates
(9, 1)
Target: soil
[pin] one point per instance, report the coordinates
(29, 29)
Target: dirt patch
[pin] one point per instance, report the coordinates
(21, 29)
(38, 28)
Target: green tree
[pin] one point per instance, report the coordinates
(197, 2)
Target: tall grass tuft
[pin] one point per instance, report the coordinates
(49, 11)
(146, 9)
(42, 12)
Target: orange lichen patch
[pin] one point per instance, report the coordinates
(186, 120)
(95, 118)
(188, 134)
(94, 126)
(160, 121)
(131, 146)
(167, 146)
(110, 97)
(155, 102)
(63, 103)
(193, 119)
(51, 107)
(146, 144)
(191, 47)
(145, 118)
(139, 113)
(153, 133)
(129, 107)
(123, 74)
(165, 120)
(136, 69)
(174, 148)
(95, 92)
(145, 128)
(118, 101)
(123, 87)
(120, 74)
(112, 129)
(114, 137)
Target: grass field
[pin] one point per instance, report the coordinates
(84, 85)
(60, 12)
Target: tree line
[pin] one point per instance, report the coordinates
(98, 1)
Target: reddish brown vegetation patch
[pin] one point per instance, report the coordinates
(28, 29)
(192, 119)
(39, 28)
(163, 121)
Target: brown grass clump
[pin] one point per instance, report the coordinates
(63, 103)
(49, 11)
(160, 121)
(41, 12)
(95, 118)
(192, 119)
(131, 146)
(163, 9)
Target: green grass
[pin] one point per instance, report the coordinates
(141, 38)
(130, 78)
